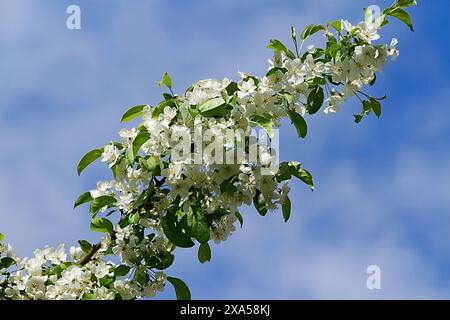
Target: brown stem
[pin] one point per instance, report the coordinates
(90, 254)
(93, 251)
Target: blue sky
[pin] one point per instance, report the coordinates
(382, 187)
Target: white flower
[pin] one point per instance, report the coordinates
(393, 51)
(124, 202)
(124, 289)
(127, 135)
(277, 60)
(110, 154)
(149, 291)
(381, 57)
(196, 96)
(246, 88)
(365, 55)
(312, 68)
(35, 286)
(347, 26)
(311, 48)
(160, 280)
(103, 188)
(295, 72)
(166, 117)
(75, 252)
(334, 102)
(104, 294)
(101, 269)
(56, 256)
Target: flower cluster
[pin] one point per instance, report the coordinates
(159, 200)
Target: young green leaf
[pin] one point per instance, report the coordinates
(198, 225)
(278, 46)
(299, 122)
(294, 39)
(175, 231)
(100, 202)
(239, 217)
(83, 198)
(260, 207)
(404, 3)
(121, 270)
(315, 100)
(6, 262)
(376, 107)
(181, 289)
(400, 14)
(204, 252)
(337, 25)
(85, 245)
(141, 138)
(133, 113)
(286, 208)
(166, 81)
(102, 225)
(302, 174)
(310, 30)
(134, 218)
(216, 107)
(2, 237)
(264, 121)
(88, 158)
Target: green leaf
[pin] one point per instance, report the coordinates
(337, 25)
(141, 138)
(83, 198)
(275, 70)
(134, 218)
(261, 208)
(278, 46)
(85, 245)
(404, 3)
(315, 100)
(302, 174)
(133, 113)
(102, 225)
(122, 270)
(286, 208)
(310, 30)
(264, 121)
(6, 262)
(227, 186)
(358, 117)
(198, 225)
(181, 289)
(152, 164)
(400, 14)
(204, 252)
(166, 80)
(88, 158)
(2, 237)
(88, 296)
(98, 203)
(216, 107)
(175, 231)
(306, 177)
(239, 217)
(284, 172)
(294, 39)
(299, 123)
(376, 107)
